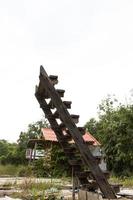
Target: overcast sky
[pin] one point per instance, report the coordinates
(89, 44)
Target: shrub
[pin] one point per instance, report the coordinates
(25, 171)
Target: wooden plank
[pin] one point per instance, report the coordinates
(116, 187)
(88, 174)
(75, 162)
(54, 79)
(66, 137)
(62, 126)
(91, 186)
(75, 118)
(60, 92)
(67, 104)
(81, 130)
(70, 149)
(84, 150)
(89, 142)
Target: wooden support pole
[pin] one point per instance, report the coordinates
(73, 184)
(34, 156)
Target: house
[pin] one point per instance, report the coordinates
(49, 135)
(48, 138)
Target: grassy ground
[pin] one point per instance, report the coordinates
(41, 190)
(126, 182)
(32, 188)
(9, 170)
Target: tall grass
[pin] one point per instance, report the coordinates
(30, 188)
(125, 181)
(9, 170)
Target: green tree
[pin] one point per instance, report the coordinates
(7, 152)
(33, 132)
(14, 153)
(59, 162)
(3, 147)
(114, 129)
(91, 126)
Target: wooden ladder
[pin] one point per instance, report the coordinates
(78, 153)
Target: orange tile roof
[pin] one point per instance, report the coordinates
(49, 135)
(88, 138)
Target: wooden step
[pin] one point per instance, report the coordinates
(70, 149)
(75, 118)
(87, 184)
(107, 174)
(98, 159)
(60, 92)
(62, 126)
(116, 187)
(67, 104)
(66, 137)
(74, 162)
(83, 180)
(91, 186)
(54, 79)
(89, 174)
(89, 143)
(82, 130)
(77, 168)
(83, 174)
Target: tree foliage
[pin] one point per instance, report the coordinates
(114, 129)
(7, 152)
(14, 153)
(59, 165)
(54, 162)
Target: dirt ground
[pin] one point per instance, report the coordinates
(65, 193)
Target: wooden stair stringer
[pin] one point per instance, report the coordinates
(65, 117)
(58, 131)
